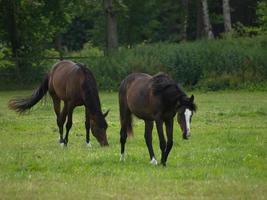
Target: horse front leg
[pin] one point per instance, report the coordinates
(162, 141)
(169, 131)
(123, 138)
(148, 138)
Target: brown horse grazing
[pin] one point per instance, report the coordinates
(154, 98)
(75, 85)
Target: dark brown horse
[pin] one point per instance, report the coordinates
(75, 85)
(154, 98)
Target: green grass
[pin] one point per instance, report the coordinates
(224, 159)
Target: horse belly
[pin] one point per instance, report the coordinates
(142, 108)
(140, 99)
(67, 89)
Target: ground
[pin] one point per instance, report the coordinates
(225, 157)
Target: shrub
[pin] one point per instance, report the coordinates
(208, 64)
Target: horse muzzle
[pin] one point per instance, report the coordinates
(104, 144)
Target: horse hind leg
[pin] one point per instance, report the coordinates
(61, 116)
(68, 124)
(124, 131)
(123, 137)
(126, 125)
(61, 122)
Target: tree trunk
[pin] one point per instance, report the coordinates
(206, 20)
(227, 16)
(199, 32)
(111, 31)
(185, 20)
(12, 32)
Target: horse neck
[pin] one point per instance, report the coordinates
(92, 100)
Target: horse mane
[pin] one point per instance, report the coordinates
(170, 91)
(91, 91)
(189, 104)
(89, 75)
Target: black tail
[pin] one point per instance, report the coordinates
(125, 113)
(126, 120)
(21, 105)
(129, 124)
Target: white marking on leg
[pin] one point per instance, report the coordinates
(122, 157)
(187, 114)
(89, 145)
(62, 144)
(153, 161)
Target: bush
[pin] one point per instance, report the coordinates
(208, 64)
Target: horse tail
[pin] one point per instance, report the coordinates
(126, 120)
(23, 104)
(125, 113)
(129, 125)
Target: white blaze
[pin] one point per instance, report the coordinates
(187, 114)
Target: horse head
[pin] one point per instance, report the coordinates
(186, 108)
(99, 128)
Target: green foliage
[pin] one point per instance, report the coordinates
(88, 51)
(240, 30)
(29, 28)
(4, 53)
(87, 26)
(259, 28)
(262, 15)
(208, 64)
(7, 66)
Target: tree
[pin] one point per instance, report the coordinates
(262, 15)
(29, 29)
(227, 16)
(199, 15)
(185, 20)
(10, 27)
(206, 20)
(111, 31)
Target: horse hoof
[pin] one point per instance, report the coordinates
(185, 137)
(153, 161)
(122, 157)
(62, 144)
(89, 145)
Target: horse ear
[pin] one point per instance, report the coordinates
(106, 113)
(192, 98)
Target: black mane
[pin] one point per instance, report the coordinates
(162, 84)
(88, 74)
(91, 94)
(170, 91)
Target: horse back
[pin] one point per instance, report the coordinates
(136, 93)
(66, 80)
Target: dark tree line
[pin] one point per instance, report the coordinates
(29, 27)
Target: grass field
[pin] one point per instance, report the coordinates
(225, 158)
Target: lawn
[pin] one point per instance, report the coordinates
(225, 157)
